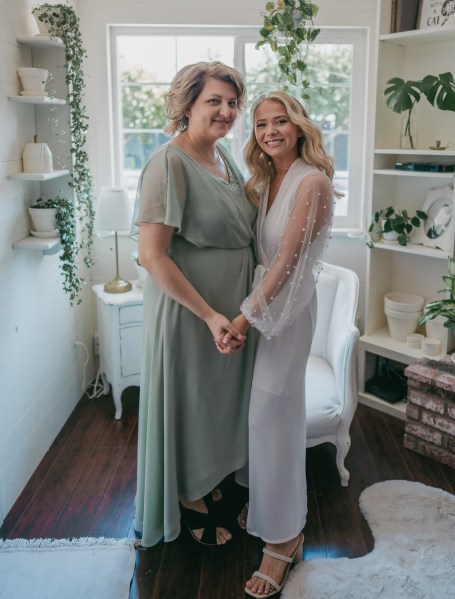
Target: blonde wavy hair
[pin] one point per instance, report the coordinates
(310, 146)
(188, 84)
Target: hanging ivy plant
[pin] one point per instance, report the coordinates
(289, 30)
(61, 21)
(66, 224)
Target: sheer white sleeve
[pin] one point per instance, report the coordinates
(282, 288)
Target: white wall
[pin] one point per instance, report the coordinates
(40, 373)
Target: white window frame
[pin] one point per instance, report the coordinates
(357, 36)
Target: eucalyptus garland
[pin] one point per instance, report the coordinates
(61, 21)
(66, 224)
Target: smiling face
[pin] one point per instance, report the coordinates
(275, 133)
(214, 111)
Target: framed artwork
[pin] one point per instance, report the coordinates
(435, 232)
(436, 14)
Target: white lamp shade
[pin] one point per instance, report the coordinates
(113, 213)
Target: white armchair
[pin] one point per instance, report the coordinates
(331, 387)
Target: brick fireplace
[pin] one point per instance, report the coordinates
(430, 425)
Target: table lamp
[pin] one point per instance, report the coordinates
(114, 214)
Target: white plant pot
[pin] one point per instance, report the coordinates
(391, 237)
(142, 274)
(37, 158)
(401, 324)
(435, 329)
(33, 79)
(43, 219)
(42, 27)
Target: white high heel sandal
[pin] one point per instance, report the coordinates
(294, 558)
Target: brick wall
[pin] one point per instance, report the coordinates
(430, 425)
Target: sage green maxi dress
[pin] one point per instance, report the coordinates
(193, 414)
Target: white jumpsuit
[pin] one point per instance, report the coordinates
(291, 239)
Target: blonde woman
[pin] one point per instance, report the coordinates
(195, 240)
(291, 177)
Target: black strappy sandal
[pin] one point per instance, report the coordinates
(194, 520)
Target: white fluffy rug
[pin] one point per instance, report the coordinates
(414, 554)
(86, 568)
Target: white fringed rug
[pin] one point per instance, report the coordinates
(413, 557)
(85, 568)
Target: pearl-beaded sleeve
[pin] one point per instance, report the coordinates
(282, 288)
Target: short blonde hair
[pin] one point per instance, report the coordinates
(188, 84)
(310, 146)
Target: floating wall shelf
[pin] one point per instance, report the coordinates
(41, 41)
(49, 245)
(39, 176)
(36, 100)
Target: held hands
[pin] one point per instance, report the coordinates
(229, 343)
(226, 335)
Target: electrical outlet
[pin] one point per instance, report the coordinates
(96, 345)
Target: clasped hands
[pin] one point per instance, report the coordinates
(229, 336)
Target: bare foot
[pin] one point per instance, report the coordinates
(222, 535)
(273, 567)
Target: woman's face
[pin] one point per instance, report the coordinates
(275, 133)
(214, 111)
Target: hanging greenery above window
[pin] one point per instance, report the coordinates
(289, 30)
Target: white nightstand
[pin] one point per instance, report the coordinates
(120, 340)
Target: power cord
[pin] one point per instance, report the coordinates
(96, 387)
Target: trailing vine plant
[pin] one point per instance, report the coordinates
(289, 30)
(66, 225)
(61, 21)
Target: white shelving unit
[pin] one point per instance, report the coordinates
(40, 46)
(413, 268)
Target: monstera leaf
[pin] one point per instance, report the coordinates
(440, 91)
(401, 95)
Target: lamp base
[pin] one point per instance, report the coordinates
(117, 285)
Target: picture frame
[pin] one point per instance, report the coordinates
(436, 231)
(436, 14)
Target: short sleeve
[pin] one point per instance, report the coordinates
(161, 192)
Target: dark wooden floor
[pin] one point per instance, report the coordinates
(85, 486)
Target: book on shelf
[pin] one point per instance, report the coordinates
(404, 15)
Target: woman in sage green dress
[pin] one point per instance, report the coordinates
(195, 240)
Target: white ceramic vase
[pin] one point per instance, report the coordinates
(37, 158)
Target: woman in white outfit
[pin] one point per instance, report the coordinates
(290, 180)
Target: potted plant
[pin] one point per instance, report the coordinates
(61, 21)
(443, 307)
(141, 271)
(390, 220)
(288, 30)
(65, 221)
(402, 96)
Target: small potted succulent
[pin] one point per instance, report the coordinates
(65, 222)
(390, 224)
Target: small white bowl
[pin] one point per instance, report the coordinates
(403, 302)
(431, 346)
(414, 340)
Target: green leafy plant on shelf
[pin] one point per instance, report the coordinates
(389, 220)
(402, 96)
(443, 307)
(66, 224)
(61, 21)
(288, 30)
